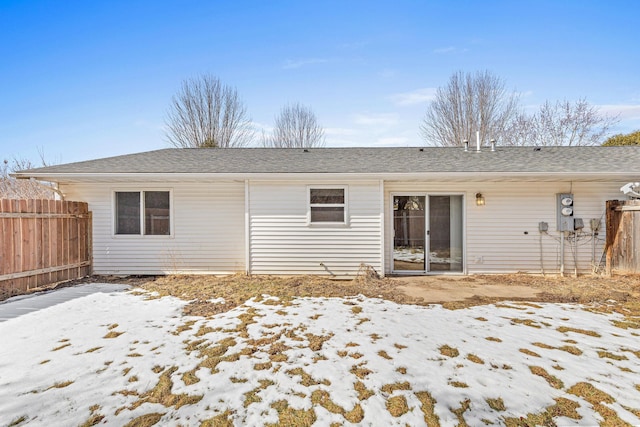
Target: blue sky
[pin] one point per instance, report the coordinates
(89, 79)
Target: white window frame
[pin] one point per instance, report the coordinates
(345, 205)
(390, 235)
(142, 235)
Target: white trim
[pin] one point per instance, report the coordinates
(382, 229)
(247, 227)
(459, 176)
(344, 206)
(142, 235)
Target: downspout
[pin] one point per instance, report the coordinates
(247, 228)
(382, 230)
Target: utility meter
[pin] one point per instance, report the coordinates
(564, 212)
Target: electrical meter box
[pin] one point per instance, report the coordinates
(564, 211)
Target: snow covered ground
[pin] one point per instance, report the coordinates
(116, 357)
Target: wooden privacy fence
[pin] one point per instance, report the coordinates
(42, 242)
(623, 236)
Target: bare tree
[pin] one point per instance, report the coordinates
(207, 113)
(567, 123)
(469, 103)
(11, 188)
(295, 127)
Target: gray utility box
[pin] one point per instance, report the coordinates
(564, 211)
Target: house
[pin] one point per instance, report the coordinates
(327, 211)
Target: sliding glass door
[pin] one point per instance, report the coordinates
(409, 226)
(445, 233)
(427, 233)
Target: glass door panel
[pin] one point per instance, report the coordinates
(445, 233)
(409, 233)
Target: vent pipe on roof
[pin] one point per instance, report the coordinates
(478, 141)
(493, 145)
(466, 144)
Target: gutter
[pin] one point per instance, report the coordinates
(328, 176)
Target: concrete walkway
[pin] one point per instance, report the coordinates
(23, 304)
(439, 289)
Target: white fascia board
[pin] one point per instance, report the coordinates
(415, 176)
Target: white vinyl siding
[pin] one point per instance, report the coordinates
(502, 236)
(207, 230)
(284, 242)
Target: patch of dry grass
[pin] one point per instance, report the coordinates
(458, 384)
(289, 417)
(112, 334)
(527, 322)
(184, 327)
(459, 412)
(384, 355)
(190, 377)
(60, 347)
(17, 421)
(316, 341)
(355, 415)
(363, 392)
(571, 349)
(146, 420)
(61, 384)
(238, 288)
(475, 359)
(529, 352)
(397, 406)
(543, 345)
(322, 398)
(608, 355)
(94, 418)
(390, 388)
(428, 407)
(161, 393)
(565, 329)
(562, 408)
(595, 397)
(252, 395)
(306, 379)
(590, 393)
(221, 420)
(360, 371)
(553, 381)
(496, 404)
(448, 351)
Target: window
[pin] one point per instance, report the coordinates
(327, 205)
(156, 208)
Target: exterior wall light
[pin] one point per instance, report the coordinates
(479, 199)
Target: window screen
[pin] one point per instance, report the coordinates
(327, 204)
(156, 207)
(128, 212)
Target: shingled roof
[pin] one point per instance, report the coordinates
(245, 161)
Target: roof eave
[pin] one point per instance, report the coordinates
(70, 178)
